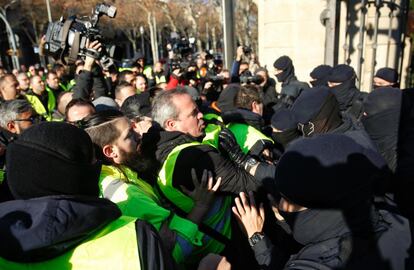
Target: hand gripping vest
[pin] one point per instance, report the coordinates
(219, 216)
(114, 247)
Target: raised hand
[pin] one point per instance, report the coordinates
(248, 214)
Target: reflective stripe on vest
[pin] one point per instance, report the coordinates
(160, 79)
(114, 247)
(219, 215)
(51, 100)
(38, 106)
(212, 130)
(136, 198)
(147, 71)
(71, 84)
(64, 87)
(247, 136)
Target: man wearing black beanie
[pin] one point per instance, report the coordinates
(326, 201)
(320, 75)
(57, 220)
(291, 87)
(385, 77)
(317, 112)
(342, 84)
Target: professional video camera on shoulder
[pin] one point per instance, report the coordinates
(66, 39)
(257, 79)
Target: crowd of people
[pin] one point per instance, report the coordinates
(186, 165)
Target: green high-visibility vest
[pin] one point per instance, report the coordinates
(114, 247)
(65, 87)
(70, 85)
(212, 130)
(248, 137)
(219, 216)
(2, 174)
(38, 105)
(160, 79)
(136, 198)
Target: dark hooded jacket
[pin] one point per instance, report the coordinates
(381, 121)
(291, 86)
(348, 95)
(327, 241)
(340, 228)
(317, 111)
(27, 237)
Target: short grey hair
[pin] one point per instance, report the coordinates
(163, 107)
(10, 110)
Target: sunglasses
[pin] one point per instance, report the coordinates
(33, 119)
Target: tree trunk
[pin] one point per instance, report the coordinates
(166, 11)
(152, 37)
(214, 39)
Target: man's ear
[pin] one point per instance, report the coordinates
(11, 127)
(109, 151)
(255, 107)
(170, 125)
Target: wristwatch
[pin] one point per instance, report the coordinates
(250, 163)
(256, 237)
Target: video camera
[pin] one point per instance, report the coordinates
(251, 79)
(181, 47)
(67, 38)
(215, 79)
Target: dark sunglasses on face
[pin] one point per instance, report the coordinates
(33, 119)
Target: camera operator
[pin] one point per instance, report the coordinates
(239, 67)
(90, 81)
(183, 73)
(269, 93)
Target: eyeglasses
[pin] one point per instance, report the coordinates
(33, 119)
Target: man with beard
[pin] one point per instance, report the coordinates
(291, 87)
(118, 148)
(342, 84)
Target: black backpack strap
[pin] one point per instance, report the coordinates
(152, 253)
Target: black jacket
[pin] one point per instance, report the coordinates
(329, 243)
(350, 98)
(54, 225)
(291, 89)
(87, 81)
(161, 143)
(354, 129)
